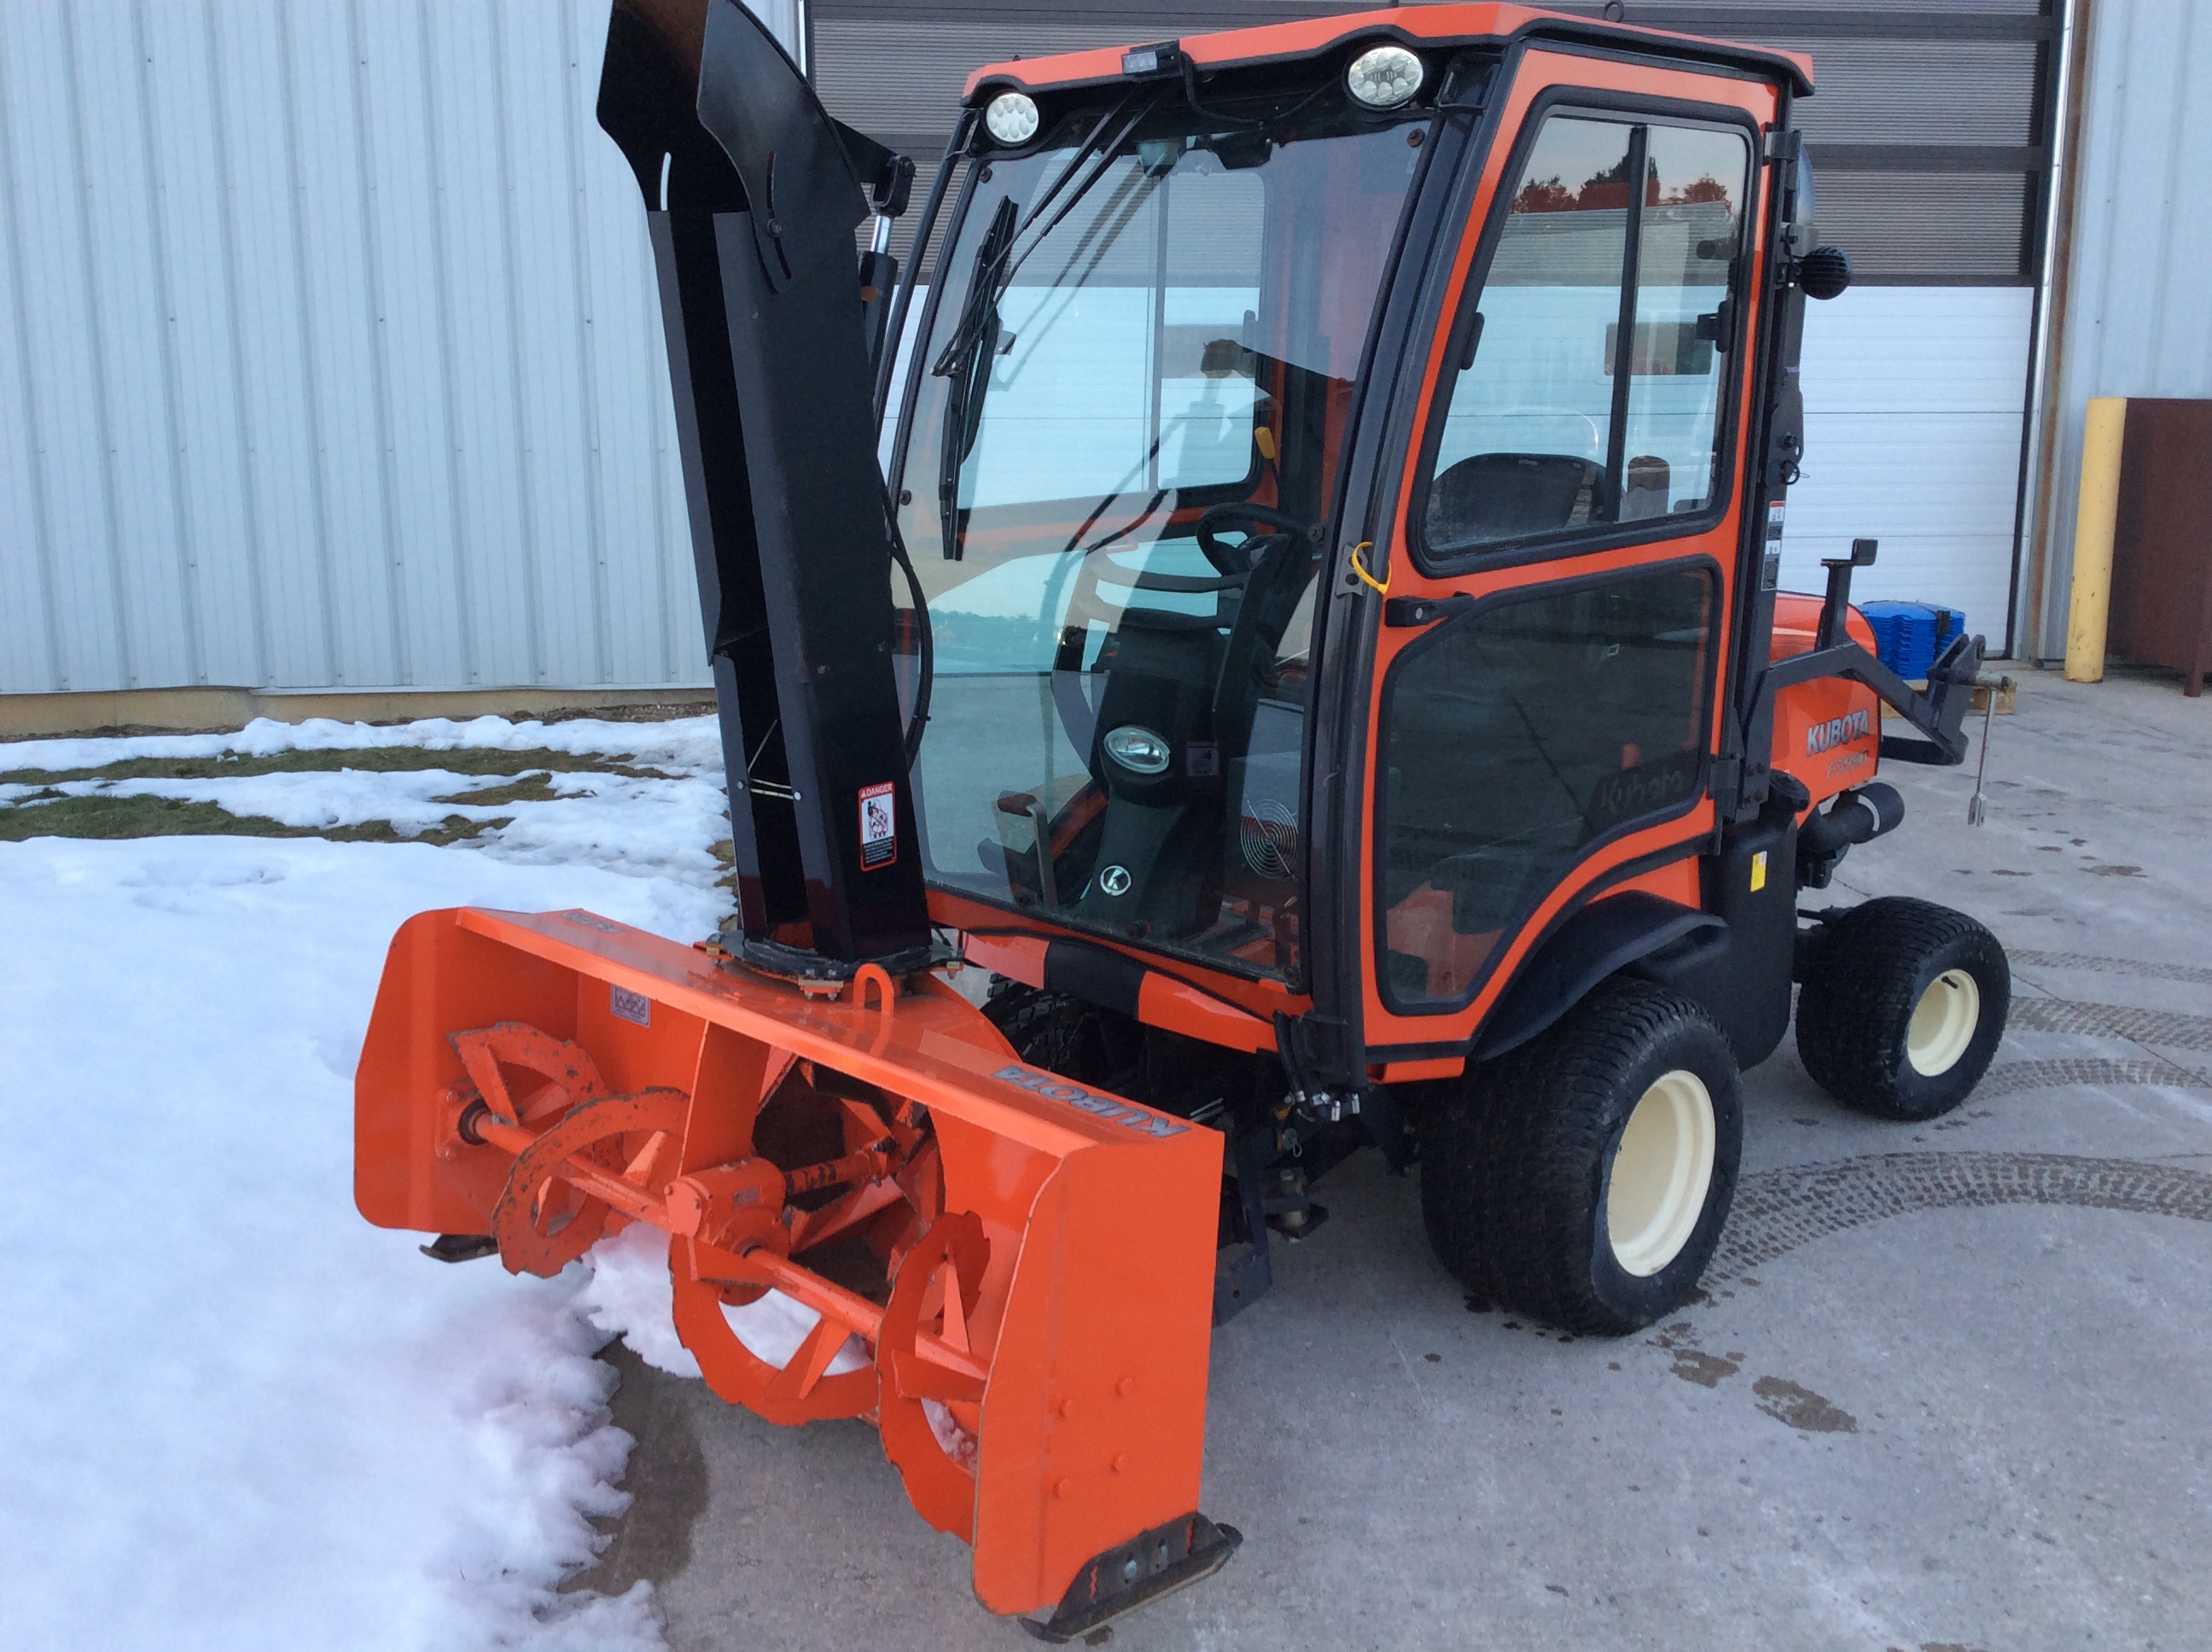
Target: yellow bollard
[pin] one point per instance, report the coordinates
(2099, 509)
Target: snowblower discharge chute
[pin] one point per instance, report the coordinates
(1323, 581)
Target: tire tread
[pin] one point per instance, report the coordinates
(1512, 1166)
(1860, 993)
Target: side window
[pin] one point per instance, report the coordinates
(1687, 245)
(1515, 737)
(1592, 390)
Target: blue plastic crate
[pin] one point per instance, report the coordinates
(1909, 635)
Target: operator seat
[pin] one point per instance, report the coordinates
(1488, 497)
(1159, 861)
(1277, 582)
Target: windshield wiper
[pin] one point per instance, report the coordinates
(967, 356)
(995, 274)
(970, 372)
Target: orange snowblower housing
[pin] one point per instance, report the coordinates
(1315, 645)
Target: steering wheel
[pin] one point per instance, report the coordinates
(1238, 559)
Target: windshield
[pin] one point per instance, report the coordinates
(1114, 479)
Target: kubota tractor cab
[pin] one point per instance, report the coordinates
(1315, 646)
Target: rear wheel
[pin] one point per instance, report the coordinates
(1583, 1177)
(1902, 1008)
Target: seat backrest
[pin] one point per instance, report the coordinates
(1270, 600)
(1487, 497)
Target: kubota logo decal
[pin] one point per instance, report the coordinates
(1837, 731)
(1107, 1109)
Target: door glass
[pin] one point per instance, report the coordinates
(1558, 422)
(1517, 737)
(1687, 245)
(1529, 424)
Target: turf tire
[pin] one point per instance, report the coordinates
(1867, 977)
(1517, 1161)
(1064, 1034)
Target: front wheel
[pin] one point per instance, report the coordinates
(1902, 1008)
(1584, 1178)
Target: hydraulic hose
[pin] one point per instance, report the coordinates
(926, 645)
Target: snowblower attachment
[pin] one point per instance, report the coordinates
(873, 1208)
(1011, 1274)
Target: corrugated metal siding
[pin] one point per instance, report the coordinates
(2138, 319)
(330, 354)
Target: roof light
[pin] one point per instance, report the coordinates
(1161, 61)
(1013, 118)
(1384, 77)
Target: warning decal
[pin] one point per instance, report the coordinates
(878, 826)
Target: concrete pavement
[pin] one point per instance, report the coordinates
(1949, 1389)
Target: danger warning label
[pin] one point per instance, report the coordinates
(878, 826)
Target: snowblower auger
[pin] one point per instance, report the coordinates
(1010, 1273)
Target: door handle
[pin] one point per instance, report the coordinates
(1425, 610)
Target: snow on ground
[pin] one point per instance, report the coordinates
(238, 1416)
(629, 1296)
(688, 741)
(643, 826)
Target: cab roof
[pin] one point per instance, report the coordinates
(1410, 26)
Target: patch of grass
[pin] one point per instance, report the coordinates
(120, 817)
(378, 760)
(531, 788)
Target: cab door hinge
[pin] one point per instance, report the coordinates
(1727, 782)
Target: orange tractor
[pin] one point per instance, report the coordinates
(1316, 648)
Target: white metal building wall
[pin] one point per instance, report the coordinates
(2138, 306)
(330, 354)
(1913, 402)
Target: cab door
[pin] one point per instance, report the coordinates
(1561, 569)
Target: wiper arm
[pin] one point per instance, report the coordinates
(967, 363)
(967, 356)
(996, 274)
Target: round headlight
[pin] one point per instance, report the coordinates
(1384, 77)
(1013, 118)
(1137, 748)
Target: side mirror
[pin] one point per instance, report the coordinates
(1825, 273)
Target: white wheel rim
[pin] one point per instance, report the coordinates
(1943, 1024)
(1661, 1173)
